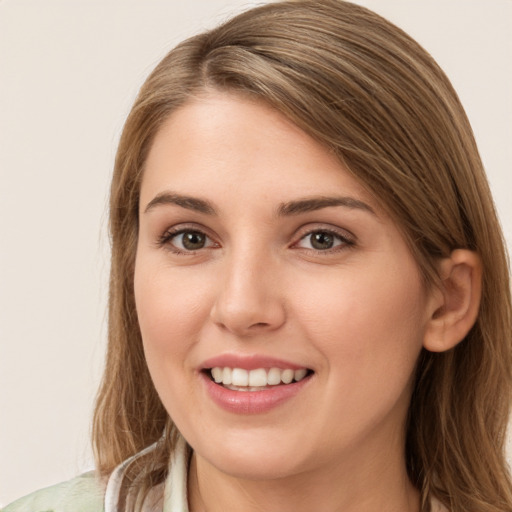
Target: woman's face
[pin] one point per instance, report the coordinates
(261, 259)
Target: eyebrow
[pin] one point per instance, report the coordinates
(290, 208)
(188, 202)
(317, 203)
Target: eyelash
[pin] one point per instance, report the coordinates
(166, 240)
(345, 240)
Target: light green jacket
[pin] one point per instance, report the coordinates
(87, 493)
(82, 494)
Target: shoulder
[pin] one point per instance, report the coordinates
(84, 493)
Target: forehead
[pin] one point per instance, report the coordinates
(226, 140)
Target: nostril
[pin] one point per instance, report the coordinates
(259, 324)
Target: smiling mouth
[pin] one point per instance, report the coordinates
(259, 379)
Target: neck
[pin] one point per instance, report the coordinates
(376, 483)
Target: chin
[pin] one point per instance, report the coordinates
(259, 467)
(259, 459)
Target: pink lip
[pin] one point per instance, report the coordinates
(251, 402)
(251, 362)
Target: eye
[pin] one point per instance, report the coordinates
(187, 240)
(323, 240)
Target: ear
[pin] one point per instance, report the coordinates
(455, 303)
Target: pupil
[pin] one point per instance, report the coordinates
(322, 241)
(193, 240)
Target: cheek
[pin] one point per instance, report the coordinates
(368, 324)
(169, 308)
(168, 303)
(368, 329)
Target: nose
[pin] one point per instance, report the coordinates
(250, 298)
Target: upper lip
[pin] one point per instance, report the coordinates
(248, 362)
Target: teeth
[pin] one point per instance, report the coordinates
(300, 374)
(258, 377)
(287, 376)
(254, 380)
(274, 377)
(217, 374)
(239, 377)
(226, 376)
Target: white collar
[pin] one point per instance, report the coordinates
(175, 489)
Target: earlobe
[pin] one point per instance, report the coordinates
(455, 303)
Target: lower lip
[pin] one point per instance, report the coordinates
(252, 402)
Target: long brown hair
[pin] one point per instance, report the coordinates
(374, 97)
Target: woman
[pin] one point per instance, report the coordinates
(308, 277)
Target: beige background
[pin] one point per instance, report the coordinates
(69, 70)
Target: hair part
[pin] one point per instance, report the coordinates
(378, 101)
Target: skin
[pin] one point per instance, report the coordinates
(356, 313)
